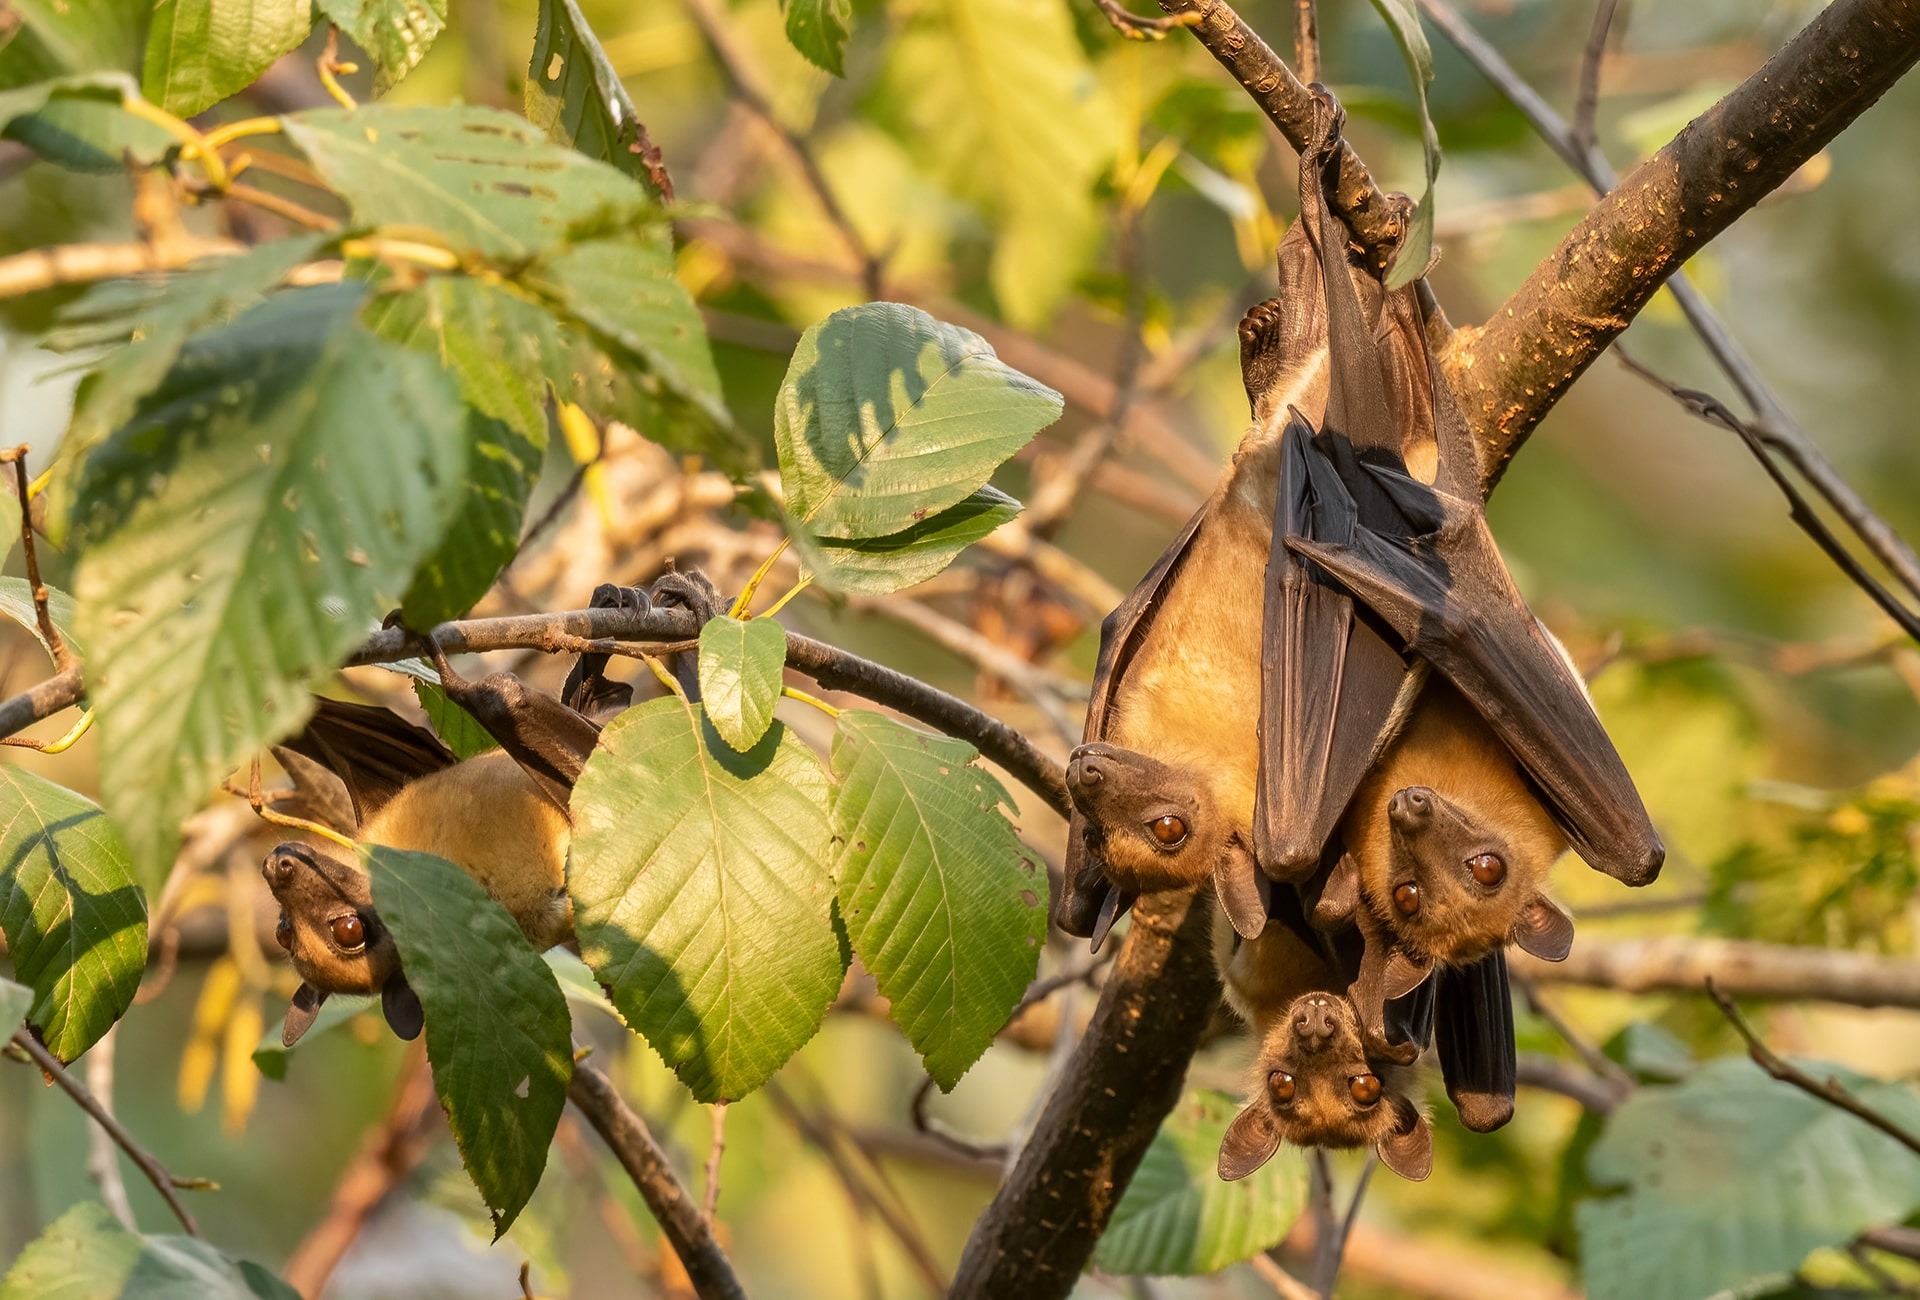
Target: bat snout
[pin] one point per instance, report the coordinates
(1090, 766)
(1411, 808)
(283, 865)
(1313, 1022)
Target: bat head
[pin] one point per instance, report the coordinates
(334, 937)
(1460, 879)
(1154, 825)
(1314, 1086)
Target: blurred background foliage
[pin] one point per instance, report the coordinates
(1019, 165)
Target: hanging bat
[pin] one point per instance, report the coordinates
(502, 816)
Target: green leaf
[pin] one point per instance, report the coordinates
(741, 666)
(1416, 249)
(1008, 81)
(91, 133)
(576, 97)
(14, 1001)
(80, 36)
(201, 51)
(75, 922)
(874, 566)
(818, 29)
(888, 417)
(87, 1255)
(396, 34)
(1732, 1179)
(272, 1057)
(1178, 1219)
(460, 730)
(940, 899)
(701, 893)
(498, 1031)
(501, 468)
(268, 503)
(10, 519)
(16, 603)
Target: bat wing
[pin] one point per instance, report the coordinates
(1088, 904)
(1450, 597)
(1473, 1031)
(547, 739)
(373, 750)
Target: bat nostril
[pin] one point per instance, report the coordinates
(1410, 807)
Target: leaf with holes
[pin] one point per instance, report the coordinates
(940, 899)
(75, 922)
(574, 94)
(818, 29)
(888, 417)
(874, 566)
(701, 893)
(741, 664)
(201, 51)
(87, 1255)
(1177, 1219)
(1732, 1179)
(498, 1033)
(1416, 248)
(264, 507)
(396, 34)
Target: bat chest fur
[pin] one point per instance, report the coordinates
(487, 817)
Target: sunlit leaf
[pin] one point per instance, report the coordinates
(1416, 248)
(498, 1032)
(702, 895)
(267, 504)
(1179, 1219)
(76, 36)
(87, 1255)
(940, 899)
(76, 924)
(201, 51)
(396, 34)
(874, 566)
(818, 29)
(576, 97)
(740, 676)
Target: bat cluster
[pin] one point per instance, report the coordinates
(1424, 749)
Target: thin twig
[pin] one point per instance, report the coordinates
(1590, 1055)
(1829, 1090)
(925, 1123)
(1285, 1284)
(690, 1235)
(103, 1157)
(1744, 968)
(1587, 102)
(1326, 1235)
(1601, 1096)
(717, 1117)
(56, 644)
(163, 1182)
(1135, 28)
(1306, 41)
(46, 268)
(1348, 1220)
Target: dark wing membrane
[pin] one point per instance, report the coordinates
(1083, 907)
(1450, 596)
(373, 750)
(1473, 1031)
(550, 741)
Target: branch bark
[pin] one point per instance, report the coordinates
(1509, 372)
(1739, 967)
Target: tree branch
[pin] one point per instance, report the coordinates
(1509, 372)
(687, 1231)
(1740, 967)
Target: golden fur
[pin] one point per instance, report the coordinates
(1263, 976)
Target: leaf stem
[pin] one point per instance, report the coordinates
(329, 63)
(780, 604)
(794, 693)
(744, 601)
(60, 746)
(194, 144)
(222, 136)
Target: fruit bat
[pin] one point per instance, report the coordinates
(501, 816)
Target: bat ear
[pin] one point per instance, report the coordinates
(1243, 889)
(1408, 1150)
(402, 1007)
(1339, 895)
(1250, 1142)
(301, 1014)
(1403, 975)
(1543, 929)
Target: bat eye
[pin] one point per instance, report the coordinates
(1365, 1088)
(1169, 830)
(1488, 869)
(1280, 1084)
(283, 933)
(1406, 898)
(349, 932)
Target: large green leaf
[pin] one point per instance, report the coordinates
(460, 730)
(76, 924)
(940, 899)
(576, 97)
(267, 504)
(741, 664)
(1732, 1179)
(1416, 249)
(501, 468)
(80, 36)
(396, 34)
(498, 1032)
(87, 1255)
(75, 120)
(874, 566)
(702, 895)
(1178, 1219)
(888, 416)
(819, 29)
(201, 51)
(1008, 81)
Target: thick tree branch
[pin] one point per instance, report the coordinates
(1742, 968)
(42, 700)
(1038, 1234)
(1509, 372)
(686, 1229)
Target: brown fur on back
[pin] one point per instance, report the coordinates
(486, 817)
(1263, 976)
